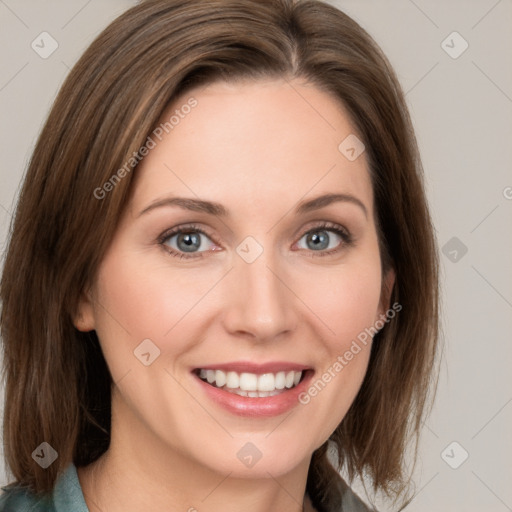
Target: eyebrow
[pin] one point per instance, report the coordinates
(218, 210)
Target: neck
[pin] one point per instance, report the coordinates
(116, 484)
(138, 473)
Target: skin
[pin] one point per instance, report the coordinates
(258, 148)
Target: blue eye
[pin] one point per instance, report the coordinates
(192, 242)
(320, 240)
(325, 239)
(185, 242)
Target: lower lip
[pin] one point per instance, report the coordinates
(256, 407)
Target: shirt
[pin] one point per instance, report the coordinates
(67, 496)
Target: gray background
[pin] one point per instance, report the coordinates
(462, 111)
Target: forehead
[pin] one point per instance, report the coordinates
(250, 143)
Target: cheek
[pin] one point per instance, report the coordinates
(137, 299)
(346, 301)
(147, 299)
(347, 305)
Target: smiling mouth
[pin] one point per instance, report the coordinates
(251, 385)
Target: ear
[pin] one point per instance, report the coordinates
(388, 282)
(84, 319)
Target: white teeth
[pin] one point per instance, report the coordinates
(266, 382)
(232, 380)
(251, 384)
(280, 380)
(220, 378)
(248, 382)
(253, 394)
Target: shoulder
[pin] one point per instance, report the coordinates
(339, 497)
(19, 499)
(350, 501)
(66, 496)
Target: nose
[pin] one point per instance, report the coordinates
(259, 305)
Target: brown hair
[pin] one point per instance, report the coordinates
(57, 381)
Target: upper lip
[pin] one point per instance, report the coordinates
(257, 368)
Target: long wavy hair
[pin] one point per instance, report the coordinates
(57, 383)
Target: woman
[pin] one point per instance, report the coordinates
(172, 341)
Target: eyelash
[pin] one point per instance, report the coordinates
(192, 228)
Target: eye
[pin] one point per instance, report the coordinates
(325, 239)
(186, 242)
(191, 241)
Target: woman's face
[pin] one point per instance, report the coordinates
(267, 285)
